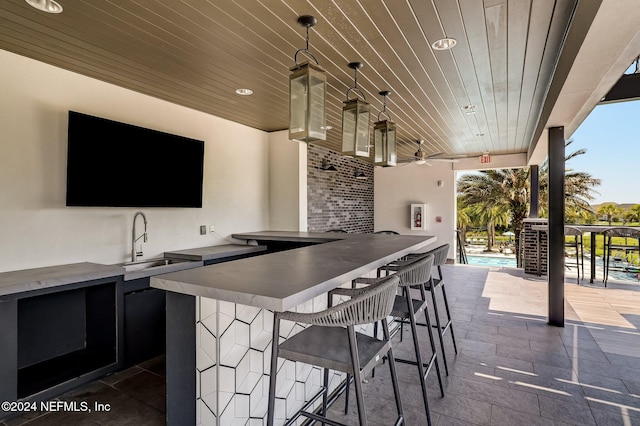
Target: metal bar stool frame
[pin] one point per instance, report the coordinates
(311, 346)
(625, 232)
(578, 245)
(413, 274)
(439, 258)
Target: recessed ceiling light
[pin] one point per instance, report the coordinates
(444, 43)
(469, 109)
(244, 92)
(49, 6)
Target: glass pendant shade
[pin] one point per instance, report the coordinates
(307, 92)
(384, 146)
(355, 128)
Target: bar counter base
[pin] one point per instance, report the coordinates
(181, 359)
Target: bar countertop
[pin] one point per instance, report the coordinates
(280, 281)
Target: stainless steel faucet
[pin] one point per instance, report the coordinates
(134, 253)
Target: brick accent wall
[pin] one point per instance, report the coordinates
(531, 240)
(338, 200)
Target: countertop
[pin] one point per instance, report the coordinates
(53, 276)
(280, 281)
(214, 252)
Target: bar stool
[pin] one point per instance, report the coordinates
(576, 244)
(340, 231)
(413, 274)
(609, 246)
(439, 258)
(331, 342)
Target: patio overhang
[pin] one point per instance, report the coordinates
(601, 44)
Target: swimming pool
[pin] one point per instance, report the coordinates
(492, 261)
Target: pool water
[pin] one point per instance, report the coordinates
(492, 261)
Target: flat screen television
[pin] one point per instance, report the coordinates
(113, 164)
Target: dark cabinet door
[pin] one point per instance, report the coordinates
(144, 325)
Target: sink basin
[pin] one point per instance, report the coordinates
(161, 265)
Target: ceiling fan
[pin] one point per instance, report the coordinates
(421, 156)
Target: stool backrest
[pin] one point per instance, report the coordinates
(373, 304)
(417, 272)
(440, 254)
(387, 232)
(572, 230)
(622, 232)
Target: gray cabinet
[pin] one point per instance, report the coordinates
(144, 322)
(56, 338)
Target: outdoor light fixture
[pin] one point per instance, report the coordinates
(355, 120)
(384, 137)
(49, 6)
(327, 167)
(307, 90)
(359, 174)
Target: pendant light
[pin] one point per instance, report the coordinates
(307, 91)
(384, 137)
(355, 120)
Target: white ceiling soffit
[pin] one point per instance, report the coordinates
(610, 46)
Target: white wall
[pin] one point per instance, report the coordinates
(396, 188)
(287, 182)
(36, 229)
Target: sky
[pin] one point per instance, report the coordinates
(611, 136)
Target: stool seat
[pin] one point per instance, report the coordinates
(310, 346)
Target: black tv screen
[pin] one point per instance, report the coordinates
(113, 164)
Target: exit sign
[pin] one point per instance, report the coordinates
(485, 159)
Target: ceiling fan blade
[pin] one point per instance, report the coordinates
(446, 160)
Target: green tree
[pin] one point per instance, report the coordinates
(609, 210)
(509, 189)
(634, 212)
(578, 186)
(506, 189)
(628, 216)
(463, 220)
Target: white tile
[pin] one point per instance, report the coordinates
(208, 387)
(204, 416)
(234, 344)
(208, 307)
(205, 348)
(247, 313)
(259, 398)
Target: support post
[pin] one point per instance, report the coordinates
(181, 359)
(534, 183)
(556, 226)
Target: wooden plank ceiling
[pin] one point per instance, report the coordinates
(197, 53)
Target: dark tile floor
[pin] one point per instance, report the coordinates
(135, 396)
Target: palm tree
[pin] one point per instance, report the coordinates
(578, 186)
(609, 210)
(463, 220)
(635, 211)
(507, 189)
(628, 216)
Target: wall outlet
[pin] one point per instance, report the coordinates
(203, 229)
(212, 229)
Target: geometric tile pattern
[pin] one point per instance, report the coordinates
(233, 361)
